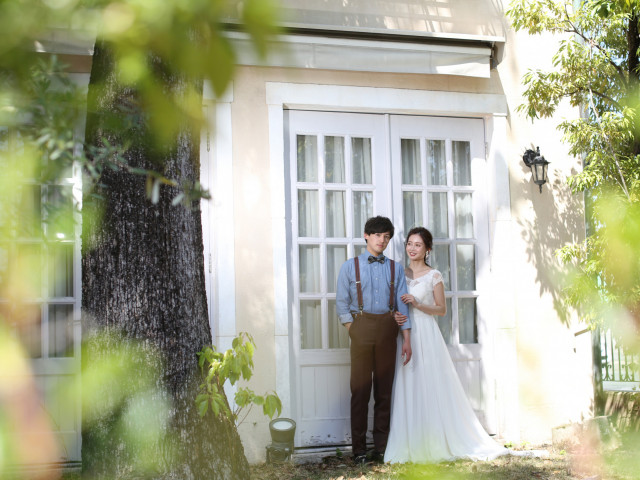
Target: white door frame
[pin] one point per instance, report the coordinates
(491, 107)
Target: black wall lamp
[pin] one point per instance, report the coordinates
(538, 166)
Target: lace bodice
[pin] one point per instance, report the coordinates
(422, 287)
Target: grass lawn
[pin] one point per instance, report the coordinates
(621, 464)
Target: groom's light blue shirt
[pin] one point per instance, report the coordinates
(375, 280)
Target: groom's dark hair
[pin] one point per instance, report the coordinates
(378, 225)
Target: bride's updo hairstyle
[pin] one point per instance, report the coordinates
(426, 236)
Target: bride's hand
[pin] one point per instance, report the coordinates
(408, 298)
(399, 318)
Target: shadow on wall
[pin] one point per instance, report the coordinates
(558, 221)
(442, 16)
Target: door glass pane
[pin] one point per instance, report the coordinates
(410, 153)
(463, 203)
(467, 323)
(361, 160)
(334, 159)
(439, 259)
(461, 152)
(336, 222)
(436, 162)
(362, 210)
(61, 270)
(308, 222)
(466, 267)
(444, 323)
(60, 222)
(60, 330)
(28, 322)
(338, 335)
(412, 209)
(309, 268)
(30, 217)
(310, 324)
(438, 215)
(307, 158)
(336, 256)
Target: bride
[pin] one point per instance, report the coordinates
(431, 418)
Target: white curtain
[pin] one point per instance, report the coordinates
(308, 223)
(335, 214)
(309, 259)
(412, 209)
(310, 324)
(466, 267)
(437, 163)
(336, 256)
(307, 156)
(334, 159)
(461, 163)
(438, 214)
(362, 210)
(361, 160)
(410, 157)
(464, 215)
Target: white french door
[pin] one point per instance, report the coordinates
(345, 168)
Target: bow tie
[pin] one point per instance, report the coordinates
(376, 259)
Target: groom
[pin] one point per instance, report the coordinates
(368, 292)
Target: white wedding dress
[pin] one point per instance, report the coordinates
(431, 418)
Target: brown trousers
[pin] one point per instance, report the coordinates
(373, 361)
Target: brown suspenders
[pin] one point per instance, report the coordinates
(392, 266)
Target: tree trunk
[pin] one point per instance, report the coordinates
(143, 277)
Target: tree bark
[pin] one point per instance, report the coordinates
(143, 277)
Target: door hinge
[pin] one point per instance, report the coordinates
(210, 264)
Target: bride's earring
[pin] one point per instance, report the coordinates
(426, 257)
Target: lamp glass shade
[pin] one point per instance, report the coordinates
(539, 170)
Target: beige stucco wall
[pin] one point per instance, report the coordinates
(543, 370)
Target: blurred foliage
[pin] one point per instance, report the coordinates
(43, 162)
(234, 364)
(596, 69)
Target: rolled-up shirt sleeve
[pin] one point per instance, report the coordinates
(343, 292)
(401, 289)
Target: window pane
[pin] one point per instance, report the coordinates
(334, 159)
(439, 259)
(28, 322)
(461, 152)
(361, 160)
(308, 222)
(336, 256)
(60, 222)
(338, 335)
(412, 209)
(309, 268)
(29, 264)
(466, 267)
(61, 270)
(436, 162)
(30, 217)
(467, 324)
(336, 222)
(60, 330)
(307, 158)
(410, 152)
(310, 324)
(463, 203)
(362, 210)
(438, 215)
(444, 323)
